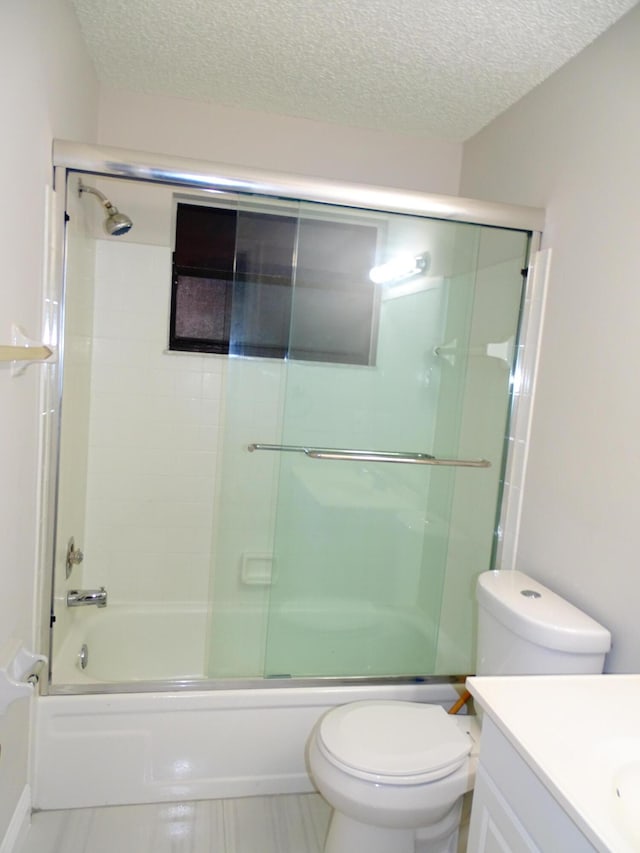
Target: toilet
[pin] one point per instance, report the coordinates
(395, 772)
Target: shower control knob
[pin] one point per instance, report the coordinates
(74, 556)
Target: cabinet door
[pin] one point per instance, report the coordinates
(494, 826)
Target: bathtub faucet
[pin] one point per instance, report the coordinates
(84, 597)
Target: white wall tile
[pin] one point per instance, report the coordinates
(153, 438)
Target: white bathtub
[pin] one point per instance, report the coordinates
(133, 643)
(160, 642)
(143, 747)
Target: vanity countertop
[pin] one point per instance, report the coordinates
(580, 735)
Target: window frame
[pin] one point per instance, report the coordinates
(303, 212)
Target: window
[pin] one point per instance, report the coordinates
(263, 284)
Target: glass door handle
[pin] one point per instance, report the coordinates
(372, 456)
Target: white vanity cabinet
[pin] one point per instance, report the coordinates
(559, 768)
(512, 810)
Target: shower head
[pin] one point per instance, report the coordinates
(116, 223)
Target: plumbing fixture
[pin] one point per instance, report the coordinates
(116, 223)
(84, 597)
(74, 557)
(83, 656)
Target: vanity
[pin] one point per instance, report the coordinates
(559, 767)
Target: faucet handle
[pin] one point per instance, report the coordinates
(74, 556)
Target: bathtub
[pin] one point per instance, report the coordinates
(150, 642)
(117, 744)
(126, 643)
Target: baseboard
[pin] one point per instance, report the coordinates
(19, 823)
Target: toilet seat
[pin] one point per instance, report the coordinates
(398, 743)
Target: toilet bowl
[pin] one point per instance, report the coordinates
(390, 768)
(395, 772)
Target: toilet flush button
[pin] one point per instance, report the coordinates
(530, 593)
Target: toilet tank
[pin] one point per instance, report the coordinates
(526, 629)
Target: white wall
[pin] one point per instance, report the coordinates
(297, 146)
(572, 145)
(48, 88)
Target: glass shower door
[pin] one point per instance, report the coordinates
(367, 545)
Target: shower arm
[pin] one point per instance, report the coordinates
(104, 201)
(371, 455)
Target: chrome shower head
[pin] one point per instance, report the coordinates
(116, 223)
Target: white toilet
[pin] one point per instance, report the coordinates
(395, 772)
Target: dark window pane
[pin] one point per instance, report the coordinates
(233, 285)
(334, 254)
(333, 297)
(200, 314)
(205, 238)
(331, 325)
(265, 246)
(260, 319)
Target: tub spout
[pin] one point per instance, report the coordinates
(84, 597)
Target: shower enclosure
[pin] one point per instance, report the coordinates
(282, 423)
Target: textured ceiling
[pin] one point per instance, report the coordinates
(440, 68)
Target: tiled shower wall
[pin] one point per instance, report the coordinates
(153, 438)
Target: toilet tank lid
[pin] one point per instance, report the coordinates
(535, 613)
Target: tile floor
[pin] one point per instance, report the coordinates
(277, 824)
(295, 823)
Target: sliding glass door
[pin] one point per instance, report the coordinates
(363, 466)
